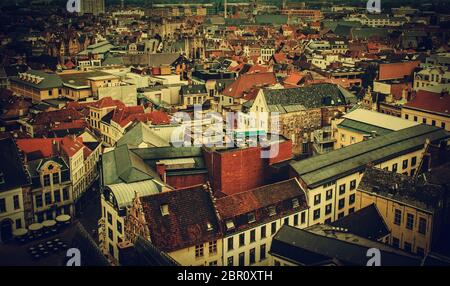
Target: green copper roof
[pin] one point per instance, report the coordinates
(360, 127)
(123, 166)
(272, 19)
(321, 169)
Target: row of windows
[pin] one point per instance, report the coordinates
(252, 256)
(94, 115)
(48, 197)
(329, 193)
(118, 223)
(410, 221)
(328, 207)
(297, 220)
(54, 179)
(404, 165)
(407, 246)
(16, 204)
(196, 100)
(424, 120)
(212, 249)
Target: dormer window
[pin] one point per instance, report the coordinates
(209, 226)
(272, 211)
(230, 225)
(251, 217)
(295, 203)
(165, 210)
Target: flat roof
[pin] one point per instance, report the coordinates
(379, 119)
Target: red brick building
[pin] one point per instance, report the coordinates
(238, 170)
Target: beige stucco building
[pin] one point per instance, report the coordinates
(362, 124)
(412, 209)
(331, 180)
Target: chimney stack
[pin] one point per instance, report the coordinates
(225, 9)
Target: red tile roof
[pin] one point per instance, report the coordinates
(293, 78)
(159, 118)
(258, 69)
(280, 58)
(248, 81)
(108, 102)
(258, 201)
(397, 90)
(252, 94)
(397, 70)
(69, 64)
(124, 115)
(78, 105)
(236, 68)
(190, 213)
(70, 145)
(76, 124)
(63, 115)
(41, 147)
(430, 101)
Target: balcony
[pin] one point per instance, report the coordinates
(324, 135)
(323, 140)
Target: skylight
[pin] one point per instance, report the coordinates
(230, 225)
(165, 210)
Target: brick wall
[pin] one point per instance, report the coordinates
(185, 181)
(240, 170)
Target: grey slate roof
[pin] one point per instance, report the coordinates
(366, 222)
(34, 166)
(193, 89)
(152, 60)
(319, 245)
(408, 190)
(312, 96)
(342, 162)
(12, 168)
(146, 254)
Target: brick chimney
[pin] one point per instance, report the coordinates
(161, 169)
(55, 147)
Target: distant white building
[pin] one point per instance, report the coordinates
(94, 7)
(378, 20)
(437, 77)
